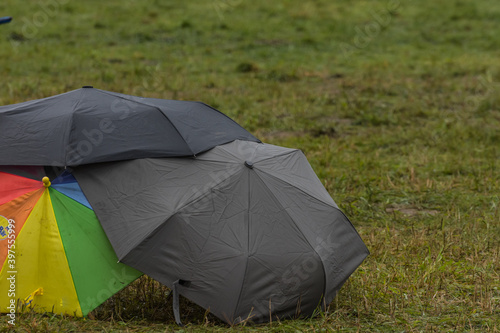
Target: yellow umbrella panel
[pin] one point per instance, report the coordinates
(53, 252)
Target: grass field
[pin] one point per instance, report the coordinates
(395, 103)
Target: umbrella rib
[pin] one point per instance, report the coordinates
(238, 157)
(70, 126)
(297, 226)
(301, 190)
(230, 152)
(29, 103)
(203, 195)
(283, 154)
(286, 211)
(226, 117)
(248, 246)
(155, 107)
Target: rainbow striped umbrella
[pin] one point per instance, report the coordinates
(54, 254)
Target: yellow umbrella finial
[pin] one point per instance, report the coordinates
(46, 181)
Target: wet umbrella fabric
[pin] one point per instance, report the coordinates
(60, 258)
(248, 225)
(90, 125)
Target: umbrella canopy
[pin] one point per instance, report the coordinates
(249, 225)
(60, 260)
(5, 19)
(90, 125)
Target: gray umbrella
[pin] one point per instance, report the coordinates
(248, 226)
(90, 125)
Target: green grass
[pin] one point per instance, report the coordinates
(399, 117)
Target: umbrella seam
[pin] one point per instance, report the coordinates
(248, 247)
(228, 118)
(299, 228)
(155, 107)
(69, 132)
(70, 254)
(67, 196)
(308, 194)
(227, 142)
(64, 248)
(50, 208)
(30, 103)
(228, 151)
(314, 198)
(355, 231)
(238, 157)
(169, 217)
(274, 156)
(27, 218)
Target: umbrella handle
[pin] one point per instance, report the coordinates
(175, 293)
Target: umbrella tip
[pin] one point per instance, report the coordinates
(87, 87)
(249, 164)
(46, 181)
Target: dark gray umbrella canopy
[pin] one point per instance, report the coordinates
(90, 125)
(248, 224)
